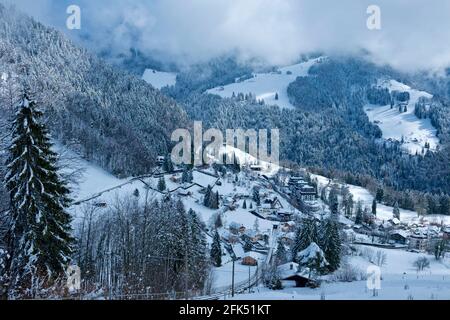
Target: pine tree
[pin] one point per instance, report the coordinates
(244, 205)
(216, 251)
(374, 207)
(256, 197)
(281, 256)
(162, 184)
(380, 194)
(197, 248)
(333, 201)
(359, 213)
(168, 165)
(306, 234)
(185, 176)
(208, 196)
(40, 243)
(396, 211)
(331, 243)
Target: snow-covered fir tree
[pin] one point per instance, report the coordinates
(281, 255)
(313, 260)
(40, 241)
(330, 243)
(396, 211)
(216, 250)
(305, 235)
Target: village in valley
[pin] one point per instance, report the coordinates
(274, 229)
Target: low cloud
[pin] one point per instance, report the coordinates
(414, 34)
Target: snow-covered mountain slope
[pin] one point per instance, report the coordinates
(384, 212)
(159, 79)
(265, 86)
(415, 132)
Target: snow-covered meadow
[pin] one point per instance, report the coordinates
(396, 126)
(265, 86)
(159, 79)
(399, 281)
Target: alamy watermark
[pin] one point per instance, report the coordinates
(73, 22)
(73, 278)
(254, 143)
(374, 19)
(373, 279)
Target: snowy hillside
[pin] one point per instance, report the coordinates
(265, 86)
(415, 132)
(159, 79)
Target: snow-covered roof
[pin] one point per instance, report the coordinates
(402, 233)
(288, 269)
(238, 251)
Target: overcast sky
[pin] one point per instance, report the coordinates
(415, 34)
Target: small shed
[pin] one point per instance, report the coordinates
(290, 272)
(249, 261)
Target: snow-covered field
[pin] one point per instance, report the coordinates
(395, 125)
(159, 79)
(400, 281)
(267, 85)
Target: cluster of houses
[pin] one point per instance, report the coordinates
(416, 237)
(245, 244)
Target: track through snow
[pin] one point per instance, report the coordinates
(265, 86)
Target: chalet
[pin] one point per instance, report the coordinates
(399, 236)
(253, 236)
(234, 227)
(249, 261)
(288, 226)
(394, 221)
(184, 193)
(271, 206)
(284, 215)
(290, 272)
(288, 238)
(100, 204)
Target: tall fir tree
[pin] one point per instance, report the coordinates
(281, 256)
(380, 194)
(331, 243)
(333, 200)
(374, 207)
(162, 184)
(396, 211)
(168, 165)
(359, 213)
(306, 234)
(40, 241)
